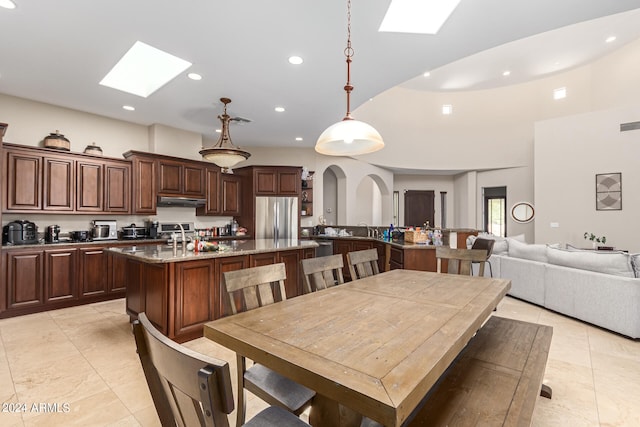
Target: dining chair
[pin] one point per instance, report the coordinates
(363, 263)
(322, 272)
(459, 260)
(254, 287)
(487, 245)
(192, 389)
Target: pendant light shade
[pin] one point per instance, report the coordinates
(349, 137)
(224, 153)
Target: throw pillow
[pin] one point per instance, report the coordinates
(499, 247)
(616, 263)
(533, 252)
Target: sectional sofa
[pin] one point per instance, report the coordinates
(599, 287)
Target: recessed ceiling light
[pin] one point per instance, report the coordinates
(610, 39)
(417, 16)
(506, 73)
(298, 139)
(560, 93)
(7, 4)
(279, 109)
(447, 109)
(143, 70)
(295, 60)
(426, 74)
(129, 108)
(194, 76)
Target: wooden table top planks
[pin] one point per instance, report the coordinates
(375, 345)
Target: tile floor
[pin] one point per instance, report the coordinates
(83, 359)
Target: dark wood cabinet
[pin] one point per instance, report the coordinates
(177, 178)
(293, 282)
(117, 280)
(60, 273)
(23, 272)
(221, 298)
(48, 181)
(59, 184)
(144, 190)
(195, 302)
(90, 185)
(213, 193)
(117, 187)
(93, 271)
(24, 181)
(276, 181)
(231, 187)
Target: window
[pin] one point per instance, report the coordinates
(495, 210)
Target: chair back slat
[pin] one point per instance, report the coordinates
(363, 263)
(460, 260)
(322, 273)
(255, 285)
(182, 382)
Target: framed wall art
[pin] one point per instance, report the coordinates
(609, 191)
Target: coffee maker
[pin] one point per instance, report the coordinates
(52, 234)
(153, 230)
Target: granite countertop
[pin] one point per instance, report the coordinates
(398, 244)
(164, 253)
(67, 242)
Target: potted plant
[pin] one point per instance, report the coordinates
(595, 239)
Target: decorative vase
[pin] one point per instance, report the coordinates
(595, 244)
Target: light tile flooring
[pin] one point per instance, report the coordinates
(83, 359)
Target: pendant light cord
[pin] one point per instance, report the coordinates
(348, 52)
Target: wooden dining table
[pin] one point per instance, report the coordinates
(374, 346)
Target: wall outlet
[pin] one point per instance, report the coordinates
(555, 225)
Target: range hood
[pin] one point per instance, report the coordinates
(180, 202)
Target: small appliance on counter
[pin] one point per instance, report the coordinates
(153, 231)
(20, 232)
(168, 229)
(132, 232)
(104, 230)
(52, 234)
(80, 236)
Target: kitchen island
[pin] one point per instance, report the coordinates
(180, 290)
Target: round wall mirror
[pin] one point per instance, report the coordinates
(522, 212)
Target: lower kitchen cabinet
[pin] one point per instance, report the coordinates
(93, 271)
(22, 274)
(60, 273)
(194, 295)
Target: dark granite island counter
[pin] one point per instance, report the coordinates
(181, 291)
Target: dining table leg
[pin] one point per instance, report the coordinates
(327, 412)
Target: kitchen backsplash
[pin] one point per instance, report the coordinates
(77, 222)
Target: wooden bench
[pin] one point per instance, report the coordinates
(496, 379)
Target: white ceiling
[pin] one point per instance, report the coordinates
(57, 52)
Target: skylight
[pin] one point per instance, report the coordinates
(143, 70)
(417, 16)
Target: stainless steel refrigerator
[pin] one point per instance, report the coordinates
(277, 218)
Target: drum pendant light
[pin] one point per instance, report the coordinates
(349, 137)
(224, 153)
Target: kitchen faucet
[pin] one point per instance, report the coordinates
(366, 225)
(184, 238)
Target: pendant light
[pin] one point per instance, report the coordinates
(349, 137)
(224, 153)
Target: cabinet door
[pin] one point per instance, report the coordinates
(24, 278)
(117, 270)
(258, 260)
(293, 282)
(116, 188)
(396, 260)
(213, 194)
(221, 298)
(93, 271)
(135, 288)
(343, 247)
(194, 295)
(230, 195)
(265, 182)
(60, 273)
(24, 178)
(59, 184)
(144, 186)
(89, 186)
(169, 177)
(289, 182)
(194, 183)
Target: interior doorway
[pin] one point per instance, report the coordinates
(495, 210)
(419, 207)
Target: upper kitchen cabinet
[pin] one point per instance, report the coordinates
(276, 181)
(222, 194)
(46, 180)
(180, 178)
(143, 189)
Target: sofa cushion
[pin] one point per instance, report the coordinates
(533, 252)
(635, 263)
(616, 263)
